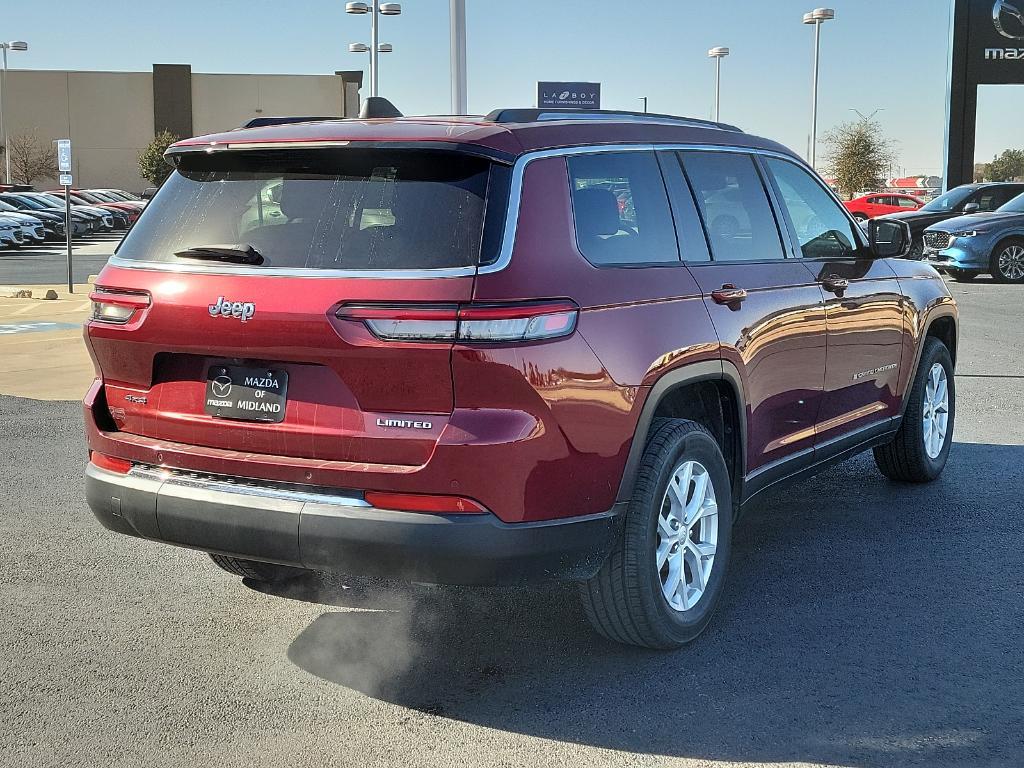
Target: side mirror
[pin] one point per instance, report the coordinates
(972, 208)
(889, 238)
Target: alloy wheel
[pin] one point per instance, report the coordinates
(1011, 262)
(936, 410)
(687, 535)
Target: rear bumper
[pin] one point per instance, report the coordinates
(332, 530)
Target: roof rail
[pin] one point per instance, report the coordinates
(534, 115)
(259, 122)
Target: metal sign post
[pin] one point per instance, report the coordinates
(64, 166)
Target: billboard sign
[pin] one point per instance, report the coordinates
(987, 49)
(574, 95)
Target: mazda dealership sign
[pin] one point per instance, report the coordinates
(569, 95)
(988, 49)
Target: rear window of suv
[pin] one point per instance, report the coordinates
(348, 209)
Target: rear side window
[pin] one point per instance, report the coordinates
(621, 209)
(733, 202)
(350, 209)
(822, 228)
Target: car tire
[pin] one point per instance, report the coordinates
(860, 216)
(254, 570)
(628, 600)
(914, 455)
(962, 275)
(1007, 263)
(916, 251)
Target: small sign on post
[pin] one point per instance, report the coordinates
(64, 166)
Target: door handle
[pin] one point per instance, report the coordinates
(835, 283)
(728, 294)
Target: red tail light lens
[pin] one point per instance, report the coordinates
(109, 463)
(468, 324)
(117, 307)
(415, 502)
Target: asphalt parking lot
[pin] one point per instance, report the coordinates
(866, 623)
(47, 263)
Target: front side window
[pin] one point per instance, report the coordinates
(349, 209)
(994, 197)
(734, 205)
(621, 209)
(822, 229)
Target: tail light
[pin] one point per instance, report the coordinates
(117, 307)
(110, 463)
(418, 502)
(472, 323)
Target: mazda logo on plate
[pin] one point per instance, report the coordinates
(221, 386)
(1008, 20)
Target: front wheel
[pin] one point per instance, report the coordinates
(1008, 261)
(662, 581)
(918, 452)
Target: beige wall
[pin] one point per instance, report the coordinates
(222, 102)
(109, 115)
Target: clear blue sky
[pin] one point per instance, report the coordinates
(877, 54)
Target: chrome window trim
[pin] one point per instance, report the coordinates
(508, 235)
(518, 170)
(213, 269)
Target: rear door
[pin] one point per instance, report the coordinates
(863, 306)
(766, 308)
(273, 283)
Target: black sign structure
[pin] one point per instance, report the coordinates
(574, 95)
(988, 49)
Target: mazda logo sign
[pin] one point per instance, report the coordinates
(1008, 20)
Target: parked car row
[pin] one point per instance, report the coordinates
(29, 217)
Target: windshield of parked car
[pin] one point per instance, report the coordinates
(31, 202)
(1016, 205)
(321, 209)
(949, 201)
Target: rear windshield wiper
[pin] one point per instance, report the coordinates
(236, 254)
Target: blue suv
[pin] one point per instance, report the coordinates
(967, 246)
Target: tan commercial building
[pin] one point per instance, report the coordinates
(110, 117)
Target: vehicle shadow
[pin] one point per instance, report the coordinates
(866, 623)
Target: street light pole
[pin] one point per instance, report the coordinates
(14, 45)
(816, 17)
(373, 48)
(457, 22)
(375, 9)
(718, 54)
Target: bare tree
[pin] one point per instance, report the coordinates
(31, 158)
(858, 156)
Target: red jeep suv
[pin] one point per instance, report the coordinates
(534, 345)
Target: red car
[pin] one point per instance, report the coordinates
(881, 204)
(534, 345)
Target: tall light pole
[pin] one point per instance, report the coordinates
(375, 9)
(816, 17)
(457, 22)
(718, 54)
(364, 48)
(14, 45)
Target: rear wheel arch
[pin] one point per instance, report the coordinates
(709, 393)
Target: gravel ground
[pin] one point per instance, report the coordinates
(865, 623)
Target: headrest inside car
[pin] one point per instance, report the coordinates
(596, 211)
